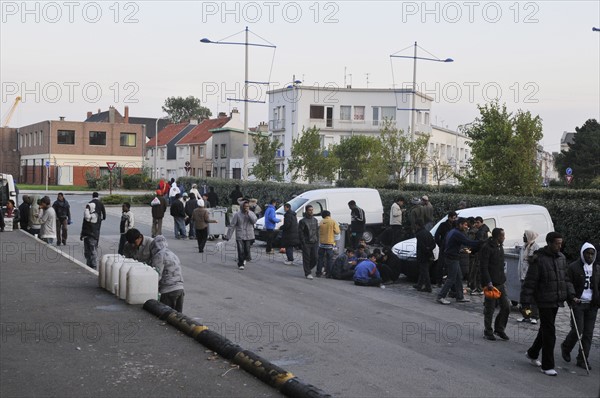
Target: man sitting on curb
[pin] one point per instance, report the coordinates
(138, 246)
(366, 273)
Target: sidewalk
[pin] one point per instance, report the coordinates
(62, 335)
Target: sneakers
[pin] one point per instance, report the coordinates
(566, 355)
(382, 286)
(288, 262)
(524, 320)
(549, 372)
(533, 321)
(241, 267)
(502, 335)
(532, 361)
(463, 300)
(309, 276)
(476, 292)
(490, 337)
(443, 301)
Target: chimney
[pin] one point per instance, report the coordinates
(194, 121)
(222, 115)
(263, 127)
(89, 115)
(99, 110)
(62, 118)
(111, 114)
(234, 110)
(126, 117)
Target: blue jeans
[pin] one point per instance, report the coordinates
(289, 252)
(179, 227)
(325, 260)
(454, 279)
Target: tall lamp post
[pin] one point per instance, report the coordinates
(245, 100)
(412, 109)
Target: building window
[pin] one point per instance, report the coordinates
(419, 117)
(317, 112)
(97, 137)
(201, 152)
(237, 173)
(216, 154)
(359, 113)
(345, 112)
(65, 137)
(223, 150)
(426, 119)
(128, 139)
(388, 112)
(194, 150)
(162, 153)
(41, 137)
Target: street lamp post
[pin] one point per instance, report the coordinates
(245, 100)
(413, 108)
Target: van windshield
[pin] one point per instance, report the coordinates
(295, 203)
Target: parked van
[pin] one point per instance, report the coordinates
(336, 201)
(7, 189)
(514, 219)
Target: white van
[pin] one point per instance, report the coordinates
(336, 201)
(7, 189)
(514, 219)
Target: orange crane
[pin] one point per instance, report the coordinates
(11, 112)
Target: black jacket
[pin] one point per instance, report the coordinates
(158, 211)
(62, 209)
(440, 234)
(99, 209)
(177, 209)
(491, 263)
(547, 283)
(24, 216)
(357, 217)
(577, 277)
(425, 245)
(190, 206)
(308, 230)
(289, 230)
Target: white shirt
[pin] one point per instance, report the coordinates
(395, 215)
(48, 220)
(586, 296)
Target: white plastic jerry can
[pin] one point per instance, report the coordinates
(115, 273)
(142, 285)
(106, 260)
(123, 276)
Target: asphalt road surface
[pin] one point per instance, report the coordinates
(348, 340)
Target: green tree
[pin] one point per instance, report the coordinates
(264, 151)
(440, 169)
(309, 160)
(583, 155)
(360, 161)
(401, 152)
(182, 109)
(504, 150)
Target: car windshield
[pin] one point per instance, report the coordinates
(296, 203)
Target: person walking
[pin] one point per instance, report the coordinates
(174, 191)
(199, 221)
(440, 240)
(357, 223)
(585, 276)
(127, 223)
(159, 208)
(525, 255)
(427, 212)
(243, 224)
(189, 207)
(289, 233)
(47, 221)
(178, 214)
(425, 247)
(308, 232)
(90, 234)
(328, 228)
(491, 263)
(548, 285)
(271, 222)
(455, 239)
(213, 198)
(63, 218)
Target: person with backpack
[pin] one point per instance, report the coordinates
(63, 218)
(90, 234)
(127, 223)
(159, 208)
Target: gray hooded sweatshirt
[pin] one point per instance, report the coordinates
(168, 266)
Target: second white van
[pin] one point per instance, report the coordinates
(336, 201)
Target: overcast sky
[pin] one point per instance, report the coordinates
(67, 58)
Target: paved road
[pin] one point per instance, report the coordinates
(353, 341)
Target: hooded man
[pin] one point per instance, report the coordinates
(585, 276)
(24, 213)
(63, 218)
(168, 266)
(90, 234)
(271, 222)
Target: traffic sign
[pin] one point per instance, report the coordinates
(569, 179)
(569, 171)
(187, 164)
(47, 163)
(111, 165)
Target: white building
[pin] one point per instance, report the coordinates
(343, 112)
(448, 149)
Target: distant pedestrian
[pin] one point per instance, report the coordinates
(170, 283)
(425, 247)
(548, 285)
(243, 224)
(328, 229)
(127, 223)
(35, 212)
(194, 190)
(199, 221)
(525, 256)
(138, 246)
(440, 240)
(235, 195)
(189, 207)
(357, 223)
(289, 233)
(100, 210)
(90, 234)
(174, 191)
(308, 231)
(427, 212)
(396, 212)
(10, 212)
(48, 221)
(213, 198)
(178, 214)
(584, 273)
(24, 213)
(159, 207)
(63, 218)
(491, 263)
(271, 222)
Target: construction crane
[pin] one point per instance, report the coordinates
(11, 112)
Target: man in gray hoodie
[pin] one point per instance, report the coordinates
(170, 284)
(243, 224)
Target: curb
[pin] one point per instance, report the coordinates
(273, 375)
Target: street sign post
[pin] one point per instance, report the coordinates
(111, 166)
(569, 178)
(187, 168)
(47, 164)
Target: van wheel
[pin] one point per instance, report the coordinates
(368, 236)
